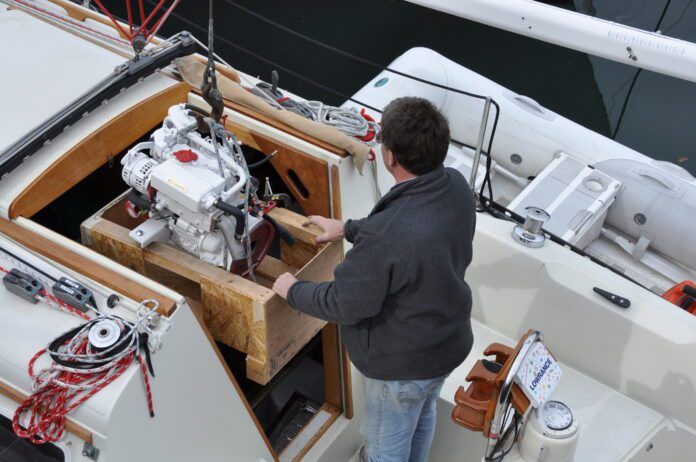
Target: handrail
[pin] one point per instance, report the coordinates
(479, 142)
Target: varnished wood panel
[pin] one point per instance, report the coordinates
(332, 384)
(312, 172)
(74, 261)
(95, 150)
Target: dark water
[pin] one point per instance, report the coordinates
(649, 112)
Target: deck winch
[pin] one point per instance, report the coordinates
(197, 191)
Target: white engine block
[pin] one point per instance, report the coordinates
(184, 176)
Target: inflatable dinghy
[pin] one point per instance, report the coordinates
(634, 213)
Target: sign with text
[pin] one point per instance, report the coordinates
(539, 375)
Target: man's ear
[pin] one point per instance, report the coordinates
(391, 159)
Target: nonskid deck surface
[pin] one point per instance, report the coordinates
(612, 425)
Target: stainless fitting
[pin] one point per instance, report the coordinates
(530, 233)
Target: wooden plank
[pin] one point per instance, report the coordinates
(270, 268)
(335, 193)
(238, 312)
(288, 329)
(198, 314)
(334, 415)
(236, 315)
(306, 176)
(298, 254)
(95, 150)
(329, 334)
(345, 360)
(111, 240)
(295, 224)
(304, 249)
(74, 261)
(347, 384)
(332, 384)
(70, 424)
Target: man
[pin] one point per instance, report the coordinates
(399, 295)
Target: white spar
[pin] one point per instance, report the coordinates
(569, 29)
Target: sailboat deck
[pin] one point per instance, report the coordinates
(599, 409)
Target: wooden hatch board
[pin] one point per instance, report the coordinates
(95, 150)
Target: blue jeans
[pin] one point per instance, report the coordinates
(399, 419)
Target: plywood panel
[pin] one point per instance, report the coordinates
(238, 312)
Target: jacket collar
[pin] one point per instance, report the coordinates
(417, 185)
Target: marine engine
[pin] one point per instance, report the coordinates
(192, 182)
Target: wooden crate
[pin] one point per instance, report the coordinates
(245, 315)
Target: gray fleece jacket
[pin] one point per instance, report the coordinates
(399, 295)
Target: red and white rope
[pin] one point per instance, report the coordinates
(59, 388)
(54, 302)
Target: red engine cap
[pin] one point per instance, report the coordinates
(185, 155)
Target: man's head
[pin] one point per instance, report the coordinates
(414, 136)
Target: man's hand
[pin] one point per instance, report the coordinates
(333, 229)
(282, 285)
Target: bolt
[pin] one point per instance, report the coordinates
(139, 233)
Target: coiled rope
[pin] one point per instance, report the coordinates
(79, 370)
(359, 125)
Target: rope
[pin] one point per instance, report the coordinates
(347, 120)
(80, 370)
(51, 300)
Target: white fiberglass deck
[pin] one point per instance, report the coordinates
(612, 426)
(64, 67)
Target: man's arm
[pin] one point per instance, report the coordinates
(359, 287)
(351, 229)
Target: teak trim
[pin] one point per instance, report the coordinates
(347, 395)
(95, 150)
(84, 265)
(70, 425)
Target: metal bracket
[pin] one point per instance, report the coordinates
(90, 452)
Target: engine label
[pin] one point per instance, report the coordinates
(176, 185)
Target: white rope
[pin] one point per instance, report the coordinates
(346, 120)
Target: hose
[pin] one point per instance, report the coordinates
(197, 109)
(140, 201)
(227, 227)
(236, 213)
(262, 161)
